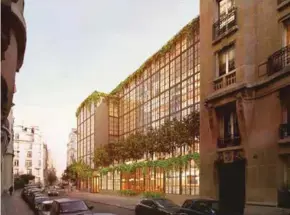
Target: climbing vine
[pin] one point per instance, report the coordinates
(165, 164)
(91, 99)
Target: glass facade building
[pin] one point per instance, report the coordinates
(168, 87)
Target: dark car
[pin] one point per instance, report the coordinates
(157, 206)
(70, 207)
(200, 207)
(52, 192)
(38, 200)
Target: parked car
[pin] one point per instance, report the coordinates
(200, 207)
(44, 207)
(30, 192)
(157, 206)
(32, 198)
(38, 200)
(52, 192)
(66, 206)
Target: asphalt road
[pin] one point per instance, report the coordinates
(102, 208)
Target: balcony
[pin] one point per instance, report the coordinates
(278, 61)
(284, 131)
(225, 80)
(225, 24)
(229, 141)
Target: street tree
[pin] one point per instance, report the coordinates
(51, 176)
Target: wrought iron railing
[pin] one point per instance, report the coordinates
(284, 130)
(229, 141)
(278, 60)
(225, 23)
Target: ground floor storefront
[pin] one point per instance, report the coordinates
(179, 180)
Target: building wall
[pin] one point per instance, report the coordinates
(258, 34)
(167, 88)
(28, 145)
(7, 178)
(72, 147)
(92, 130)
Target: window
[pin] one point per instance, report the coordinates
(229, 129)
(224, 7)
(110, 181)
(226, 60)
(29, 154)
(29, 172)
(16, 162)
(28, 163)
(117, 179)
(187, 204)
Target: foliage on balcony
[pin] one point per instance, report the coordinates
(171, 135)
(91, 99)
(185, 31)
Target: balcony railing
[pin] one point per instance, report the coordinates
(278, 60)
(225, 23)
(229, 141)
(284, 130)
(225, 80)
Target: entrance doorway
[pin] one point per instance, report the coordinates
(232, 186)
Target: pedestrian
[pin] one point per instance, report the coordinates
(11, 190)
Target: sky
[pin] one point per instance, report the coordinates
(75, 47)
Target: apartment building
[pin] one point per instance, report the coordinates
(29, 152)
(7, 178)
(165, 87)
(72, 147)
(245, 109)
(92, 131)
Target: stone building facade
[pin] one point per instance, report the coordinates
(71, 153)
(29, 152)
(245, 99)
(13, 42)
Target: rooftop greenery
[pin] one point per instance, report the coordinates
(96, 96)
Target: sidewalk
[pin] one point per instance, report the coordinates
(130, 202)
(14, 204)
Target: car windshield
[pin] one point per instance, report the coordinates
(46, 207)
(68, 207)
(165, 203)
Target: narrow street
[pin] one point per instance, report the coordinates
(13, 205)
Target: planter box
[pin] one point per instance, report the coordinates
(284, 198)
